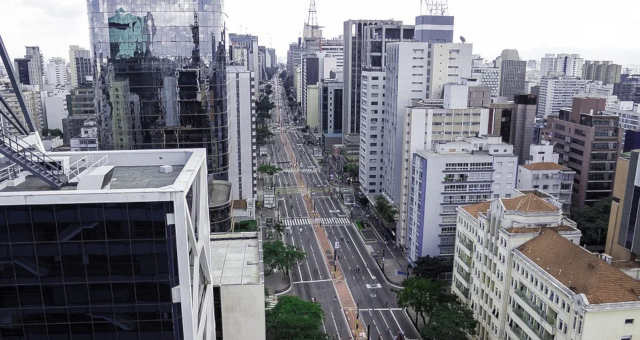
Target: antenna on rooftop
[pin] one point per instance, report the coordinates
(434, 7)
(312, 16)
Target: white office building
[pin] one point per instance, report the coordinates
(451, 175)
(563, 64)
(557, 93)
(629, 113)
(488, 76)
(56, 72)
(88, 138)
(448, 63)
(406, 78)
(372, 105)
(519, 267)
(242, 134)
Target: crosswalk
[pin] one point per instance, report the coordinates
(292, 222)
(272, 301)
(306, 170)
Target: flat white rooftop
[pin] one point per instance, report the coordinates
(236, 259)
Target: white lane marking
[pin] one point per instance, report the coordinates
(361, 257)
(293, 242)
(383, 309)
(335, 324)
(385, 323)
(396, 320)
(313, 254)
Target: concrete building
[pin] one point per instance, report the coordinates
(81, 107)
(434, 28)
(520, 269)
(371, 160)
(238, 285)
(488, 76)
(451, 175)
(542, 172)
(33, 102)
(55, 106)
(330, 98)
(36, 66)
(312, 107)
(522, 130)
(448, 63)
(87, 140)
(80, 66)
(604, 71)
(118, 238)
(405, 82)
(56, 72)
(249, 44)
(355, 35)
(620, 244)
(333, 51)
(557, 93)
(293, 58)
(512, 74)
(563, 65)
(588, 141)
(243, 153)
(425, 124)
(628, 89)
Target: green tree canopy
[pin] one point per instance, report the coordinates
(283, 257)
(593, 221)
(295, 319)
(431, 267)
(442, 315)
(351, 169)
(268, 169)
(386, 211)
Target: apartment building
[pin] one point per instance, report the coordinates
(428, 123)
(519, 267)
(451, 175)
(542, 172)
(557, 93)
(242, 135)
(371, 131)
(588, 141)
(448, 63)
(488, 76)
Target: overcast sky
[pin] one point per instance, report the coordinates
(595, 29)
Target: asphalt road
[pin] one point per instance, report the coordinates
(311, 278)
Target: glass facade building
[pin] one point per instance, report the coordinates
(92, 271)
(160, 76)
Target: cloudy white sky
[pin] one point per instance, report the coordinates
(596, 29)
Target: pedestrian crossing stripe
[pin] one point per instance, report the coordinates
(328, 221)
(306, 170)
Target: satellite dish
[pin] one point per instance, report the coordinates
(463, 39)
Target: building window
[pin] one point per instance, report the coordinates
(628, 321)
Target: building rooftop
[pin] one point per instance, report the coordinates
(535, 229)
(236, 259)
(545, 166)
(108, 171)
(529, 202)
(476, 209)
(579, 270)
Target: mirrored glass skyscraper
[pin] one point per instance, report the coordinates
(160, 76)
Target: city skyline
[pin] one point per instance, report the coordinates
(66, 24)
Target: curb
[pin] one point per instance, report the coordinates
(286, 290)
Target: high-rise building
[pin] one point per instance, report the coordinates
(81, 107)
(112, 255)
(333, 51)
(56, 72)
(355, 35)
(519, 267)
(244, 50)
(32, 100)
(521, 128)
(161, 76)
(372, 97)
(451, 175)
(434, 28)
(331, 112)
(293, 58)
(564, 65)
(628, 89)
(604, 71)
(80, 65)
(623, 238)
(629, 113)
(488, 76)
(448, 63)
(22, 70)
(557, 93)
(512, 74)
(36, 66)
(588, 141)
(242, 135)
